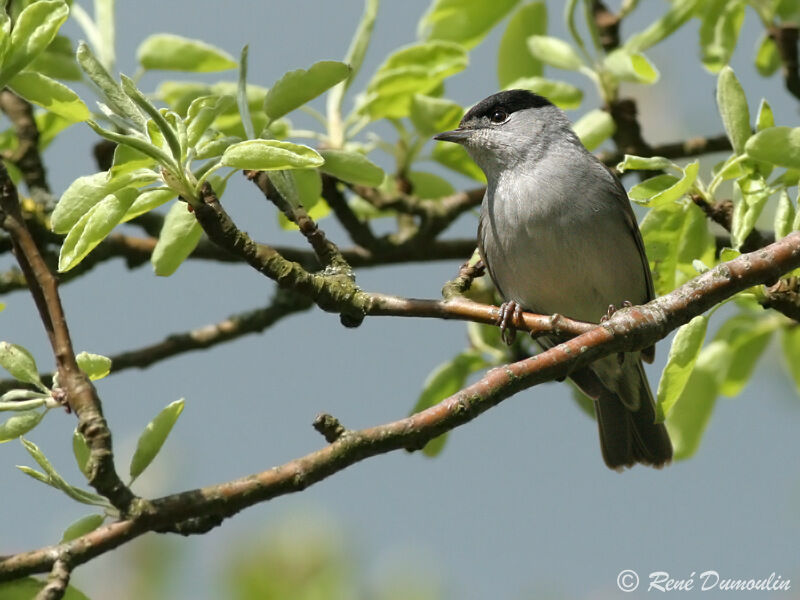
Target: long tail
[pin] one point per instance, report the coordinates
(629, 437)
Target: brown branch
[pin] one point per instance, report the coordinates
(57, 582)
(26, 157)
(80, 393)
(786, 37)
(327, 252)
(676, 150)
(628, 330)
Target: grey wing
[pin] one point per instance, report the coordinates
(487, 262)
(648, 354)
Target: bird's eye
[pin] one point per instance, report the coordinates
(499, 116)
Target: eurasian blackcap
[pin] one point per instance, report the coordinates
(557, 235)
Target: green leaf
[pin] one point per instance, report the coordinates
(20, 364)
(96, 366)
(81, 451)
(50, 95)
(733, 109)
(746, 338)
(595, 127)
(464, 21)
(168, 132)
(691, 412)
(750, 195)
(627, 66)
(33, 31)
(49, 126)
(241, 97)
(564, 95)
(179, 236)
(675, 235)
(777, 145)
(352, 167)
(153, 437)
(640, 163)
(790, 344)
(432, 115)
(358, 45)
(201, 114)
(513, 59)
(554, 52)
(416, 69)
(456, 158)
(19, 424)
(57, 61)
(642, 192)
(767, 60)
(175, 53)
(111, 90)
(296, 88)
(29, 587)
(444, 381)
(82, 526)
(784, 216)
(679, 12)
(720, 31)
(270, 155)
(93, 227)
(147, 201)
(5, 35)
(682, 357)
(765, 118)
(676, 191)
(428, 185)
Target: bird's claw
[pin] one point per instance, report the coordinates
(510, 316)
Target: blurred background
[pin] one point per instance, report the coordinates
(519, 504)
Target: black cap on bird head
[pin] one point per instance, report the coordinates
(496, 108)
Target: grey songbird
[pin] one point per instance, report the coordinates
(557, 235)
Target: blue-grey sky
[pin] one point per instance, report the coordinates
(519, 505)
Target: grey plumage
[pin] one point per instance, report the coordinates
(557, 235)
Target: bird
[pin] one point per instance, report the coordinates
(557, 235)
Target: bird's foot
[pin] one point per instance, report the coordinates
(609, 313)
(510, 316)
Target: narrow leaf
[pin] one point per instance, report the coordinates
(513, 59)
(33, 31)
(81, 451)
(19, 424)
(554, 52)
(296, 88)
(733, 109)
(93, 227)
(784, 215)
(352, 167)
(241, 97)
(20, 364)
(682, 357)
(153, 437)
(267, 155)
(81, 527)
(175, 53)
(179, 236)
(653, 163)
(679, 12)
(790, 344)
(594, 128)
(464, 21)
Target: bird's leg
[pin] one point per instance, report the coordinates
(510, 316)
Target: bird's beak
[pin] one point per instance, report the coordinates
(458, 136)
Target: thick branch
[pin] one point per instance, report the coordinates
(676, 150)
(627, 330)
(80, 393)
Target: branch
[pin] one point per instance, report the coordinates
(786, 37)
(628, 330)
(26, 157)
(81, 395)
(676, 150)
(57, 582)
